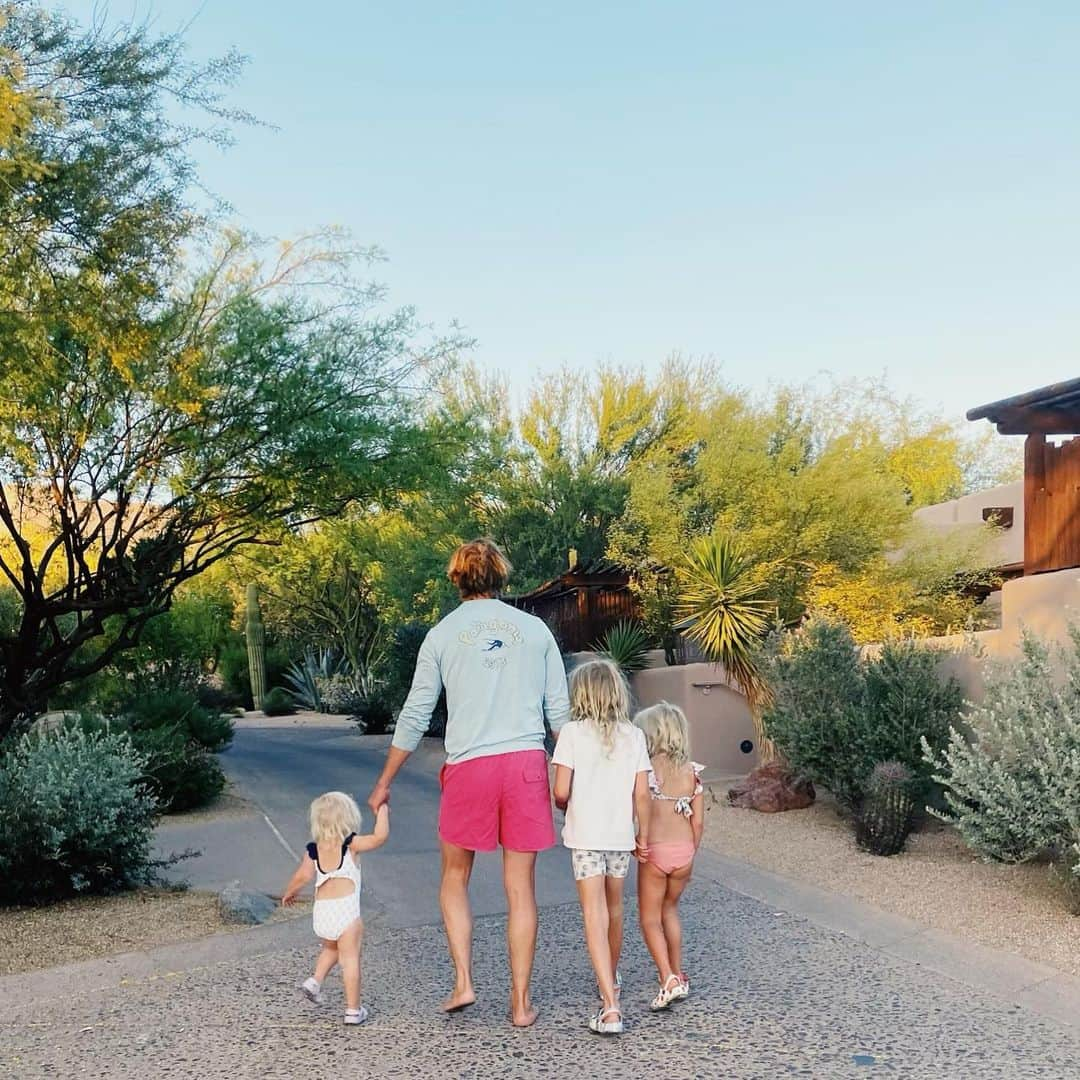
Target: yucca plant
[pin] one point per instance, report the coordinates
(626, 645)
(726, 612)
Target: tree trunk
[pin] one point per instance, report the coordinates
(18, 709)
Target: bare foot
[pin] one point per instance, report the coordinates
(458, 1000)
(525, 1017)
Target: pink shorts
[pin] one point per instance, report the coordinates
(501, 799)
(671, 855)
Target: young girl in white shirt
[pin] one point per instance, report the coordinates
(601, 780)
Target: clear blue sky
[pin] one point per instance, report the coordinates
(790, 187)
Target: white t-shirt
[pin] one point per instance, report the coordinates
(600, 816)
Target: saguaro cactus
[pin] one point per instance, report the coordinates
(255, 634)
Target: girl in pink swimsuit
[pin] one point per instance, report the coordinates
(675, 829)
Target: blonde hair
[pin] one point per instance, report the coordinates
(599, 696)
(666, 731)
(333, 816)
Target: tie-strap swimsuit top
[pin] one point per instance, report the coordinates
(683, 803)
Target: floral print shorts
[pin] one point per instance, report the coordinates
(589, 863)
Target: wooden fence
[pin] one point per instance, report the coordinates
(1051, 505)
(580, 617)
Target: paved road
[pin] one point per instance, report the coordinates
(286, 766)
(775, 994)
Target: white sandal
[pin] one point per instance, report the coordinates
(667, 994)
(599, 1026)
(618, 988)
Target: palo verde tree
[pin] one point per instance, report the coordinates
(153, 419)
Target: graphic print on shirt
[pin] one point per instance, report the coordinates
(494, 638)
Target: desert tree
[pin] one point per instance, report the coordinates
(169, 393)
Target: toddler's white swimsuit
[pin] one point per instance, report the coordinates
(331, 918)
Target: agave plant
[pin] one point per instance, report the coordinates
(626, 645)
(726, 612)
(303, 677)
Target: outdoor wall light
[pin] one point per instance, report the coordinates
(706, 687)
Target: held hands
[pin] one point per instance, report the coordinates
(641, 851)
(380, 796)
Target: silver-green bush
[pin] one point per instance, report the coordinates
(74, 816)
(1012, 777)
(338, 694)
(836, 714)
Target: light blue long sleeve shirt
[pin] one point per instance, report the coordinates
(503, 675)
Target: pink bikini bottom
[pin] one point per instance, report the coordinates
(672, 855)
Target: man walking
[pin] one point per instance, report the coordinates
(504, 680)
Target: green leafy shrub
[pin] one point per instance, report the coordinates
(74, 816)
(181, 774)
(176, 652)
(278, 702)
(179, 709)
(178, 769)
(835, 714)
(211, 729)
(232, 668)
(11, 608)
(626, 645)
(217, 698)
(439, 716)
(398, 670)
(1012, 774)
(401, 661)
(374, 716)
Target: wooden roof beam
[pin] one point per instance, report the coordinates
(1029, 421)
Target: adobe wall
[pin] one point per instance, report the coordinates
(1043, 604)
(1007, 547)
(720, 721)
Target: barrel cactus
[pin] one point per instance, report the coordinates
(256, 646)
(887, 814)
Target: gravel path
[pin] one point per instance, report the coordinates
(774, 996)
(81, 929)
(936, 881)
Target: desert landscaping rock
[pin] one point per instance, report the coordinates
(772, 789)
(239, 905)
